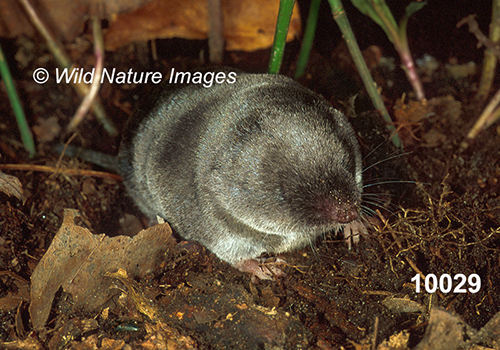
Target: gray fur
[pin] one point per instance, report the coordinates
(261, 165)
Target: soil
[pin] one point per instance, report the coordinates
(432, 209)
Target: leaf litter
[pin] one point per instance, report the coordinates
(78, 262)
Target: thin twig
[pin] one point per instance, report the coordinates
(56, 48)
(215, 31)
(487, 118)
(490, 61)
(375, 332)
(51, 169)
(86, 104)
(59, 161)
(483, 39)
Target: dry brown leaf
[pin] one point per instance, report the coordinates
(9, 303)
(397, 341)
(448, 109)
(248, 24)
(411, 113)
(433, 138)
(490, 333)
(11, 186)
(47, 129)
(445, 331)
(169, 335)
(65, 19)
(13, 20)
(142, 304)
(14, 298)
(403, 305)
(77, 260)
(409, 118)
(31, 343)
(67, 335)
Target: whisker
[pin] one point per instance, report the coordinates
(387, 159)
(378, 195)
(376, 148)
(379, 179)
(382, 204)
(364, 216)
(379, 206)
(395, 182)
(313, 249)
(365, 211)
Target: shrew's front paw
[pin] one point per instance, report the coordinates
(264, 269)
(352, 232)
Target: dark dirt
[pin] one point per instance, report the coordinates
(435, 211)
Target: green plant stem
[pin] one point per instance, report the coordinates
(380, 13)
(489, 116)
(399, 39)
(389, 24)
(282, 24)
(490, 60)
(411, 72)
(343, 23)
(26, 135)
(307, 41)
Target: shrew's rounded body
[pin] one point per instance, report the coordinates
(260, 165)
